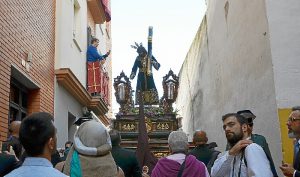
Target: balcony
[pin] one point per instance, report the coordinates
(97, 104)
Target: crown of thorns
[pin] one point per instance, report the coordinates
(136, 46)
(139, 48)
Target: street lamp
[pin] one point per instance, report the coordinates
(123, 91)
(170, 86)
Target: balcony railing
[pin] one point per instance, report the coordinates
(98, 82)
(104, 82)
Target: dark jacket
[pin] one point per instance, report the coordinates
(7, 163)
(16, 145)
(297, 164)
(206, 155)
(55, 158)
(126, 159)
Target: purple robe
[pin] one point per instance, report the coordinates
(170, 168)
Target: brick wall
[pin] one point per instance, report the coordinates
(27, 26)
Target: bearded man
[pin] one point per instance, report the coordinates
(244, 158)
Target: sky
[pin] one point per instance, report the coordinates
(175, 24)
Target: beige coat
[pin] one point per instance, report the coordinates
(92, 143)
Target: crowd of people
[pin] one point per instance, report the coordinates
(31, 150)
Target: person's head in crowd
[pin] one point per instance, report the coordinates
(13, 139)
(95, 42)
(199, 138)
(171, 165)
(90, 152)
(14, 128)
(115, 137)
(68, 144)
(178, 142)
(89, 134)
(38, 135)
(293, 123)
(249, 117)
(235, 127)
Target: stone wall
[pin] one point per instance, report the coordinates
(229, 68)
(284, 25)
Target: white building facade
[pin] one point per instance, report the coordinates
(77, 21)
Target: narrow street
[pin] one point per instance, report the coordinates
(156, 88)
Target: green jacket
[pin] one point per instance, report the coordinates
(126, 160)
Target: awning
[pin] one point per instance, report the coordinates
(105, 4)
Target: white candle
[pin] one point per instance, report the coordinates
(170, 90)
(121, 89)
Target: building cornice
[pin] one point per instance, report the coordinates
(69, 81)
(97, 11)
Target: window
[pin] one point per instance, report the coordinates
(89, 36)
(18, 101)
(77, 24)
(100, 26)
(76, 19)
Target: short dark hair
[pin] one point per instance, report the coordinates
(68, 142)
(241, 119)
(36, 129)
(94, 40)
(296, 108)
(115, 137)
